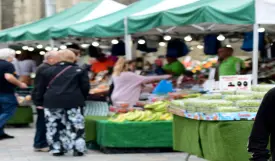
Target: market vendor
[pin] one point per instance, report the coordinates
(229, 64)
(174, 66)
(128, 85)
(102, 63)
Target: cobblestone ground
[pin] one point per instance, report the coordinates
(20, 149)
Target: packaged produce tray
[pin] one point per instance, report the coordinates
(215, 116)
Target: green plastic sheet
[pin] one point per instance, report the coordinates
(23, 115)
(90, 127)
(156, 134)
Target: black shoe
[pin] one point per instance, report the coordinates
(58, 154)
(78, 154)
(6, 136)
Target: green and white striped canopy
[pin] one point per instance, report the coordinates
(41, 29)
(146, 15)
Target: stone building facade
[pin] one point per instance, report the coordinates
(17, 12)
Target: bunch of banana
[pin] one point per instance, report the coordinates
(166, 116)
(160, 106)
(142, 116)
(118, 118)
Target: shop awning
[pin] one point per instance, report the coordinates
(40, 30)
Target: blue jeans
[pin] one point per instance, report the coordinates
(40, 140)
(8, 104)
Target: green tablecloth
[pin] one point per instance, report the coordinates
(186, 135)
(134, 134)
(90, 127)
(218, 141)
(23, 115)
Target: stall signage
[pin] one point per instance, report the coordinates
(236, 82)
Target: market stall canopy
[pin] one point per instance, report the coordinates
(40, 30)
(107, 26)
(195, 16)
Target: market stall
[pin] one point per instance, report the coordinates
(41, 29)
(209, 127)
(24, 111)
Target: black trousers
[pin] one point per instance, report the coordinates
(40, 140)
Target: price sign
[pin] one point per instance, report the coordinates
(244, 82)
(236, 82)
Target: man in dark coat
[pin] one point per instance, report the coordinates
(40, 141)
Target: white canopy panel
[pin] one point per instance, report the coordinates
(165, 5)
(104, 8)
(265, 10)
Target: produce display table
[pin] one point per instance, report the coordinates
(212, 140)
(156, 134)
(90, 127)
(22, 116)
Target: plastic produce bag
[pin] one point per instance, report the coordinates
(163, 87)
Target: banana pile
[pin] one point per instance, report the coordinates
(154, 112)
(159, 106)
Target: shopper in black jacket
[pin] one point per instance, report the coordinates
(40, 141)
(62, 92)
(263, 130)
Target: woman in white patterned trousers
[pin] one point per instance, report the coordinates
(65, 130)
(62, 92)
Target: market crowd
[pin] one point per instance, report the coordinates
(61, 87)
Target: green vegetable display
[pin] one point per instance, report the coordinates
(258, 95)
(228, 92)
(211, 96)
(238, 97)
(248, 103)
(262, 88)
(252, 109)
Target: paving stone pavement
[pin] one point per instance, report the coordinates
(20, 149)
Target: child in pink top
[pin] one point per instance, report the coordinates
(128, 85)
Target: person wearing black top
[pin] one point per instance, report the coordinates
(62, 92)
(40, 141)
(263, 131)
(8, 82)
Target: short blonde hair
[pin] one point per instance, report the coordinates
(67, 55)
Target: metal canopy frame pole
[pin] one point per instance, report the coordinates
(187, 157)
(255, 54)
(128, 41)
(51, 43)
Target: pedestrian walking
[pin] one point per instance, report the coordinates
(40, 141)
(62, 92)
(8, 82)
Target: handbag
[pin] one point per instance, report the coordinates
(58, 75)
